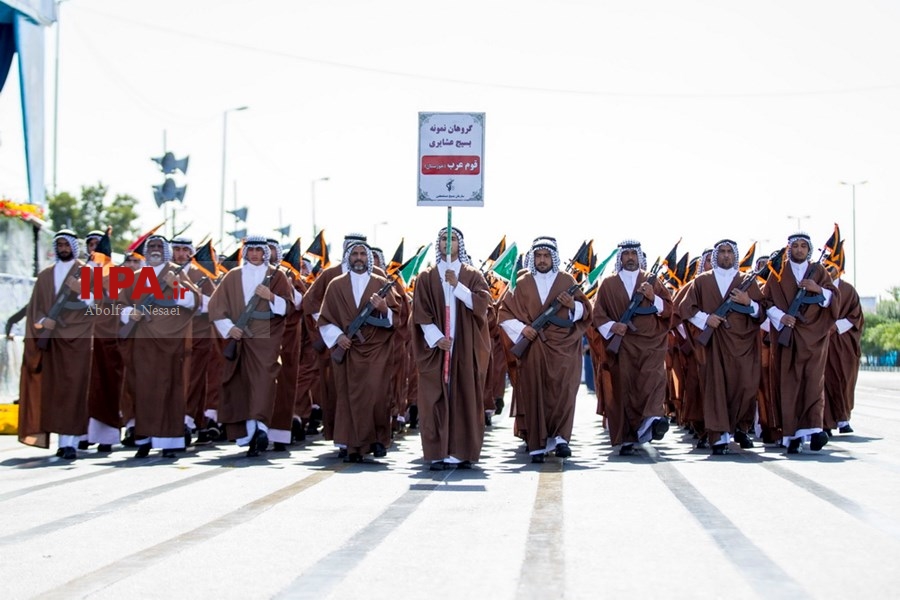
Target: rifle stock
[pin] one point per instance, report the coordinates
(230, 350)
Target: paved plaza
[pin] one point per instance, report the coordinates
(669, 521)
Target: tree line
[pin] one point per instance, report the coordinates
(881, 334)
(92, 211)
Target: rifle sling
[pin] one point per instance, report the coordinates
(378, 321)
(167, 303)
(560, 322)
(810, 299)
(742, 308)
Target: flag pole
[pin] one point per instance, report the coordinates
(447, 292)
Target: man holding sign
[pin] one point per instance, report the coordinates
(451, 414)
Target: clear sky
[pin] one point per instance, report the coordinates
(652, 119)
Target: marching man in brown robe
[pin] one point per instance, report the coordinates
(107, 365)
(200, 347)
(157, 353)
(451, 413)
(799, 368)
(550, 369)
(363, 377)
(323, 391)
(636, 411)
(842, 365)
(249, 380)
(729, 362)
(54, 384)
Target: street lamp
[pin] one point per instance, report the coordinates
(56, 93)
(312, 195)
(375, 232)
(799, 219)
(224, 148)
(853, 208)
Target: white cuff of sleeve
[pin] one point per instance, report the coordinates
(699, 320)
(461, 292)
(432, 334)
(223, 326)
(843, 325)
(330, 333)
(278, 306)
(513, 329)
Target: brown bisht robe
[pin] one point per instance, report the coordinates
(842, 364)
(364, 379)
(289, 375)
(199, 352)
(451, 418)
(799, 369)
(602, 377)
(691, 390)
(639, 369)
(307, 368)
(249, 381)
(156, 354)
(54, 382)
(729, 364)
(323, 390)
(400, 353)
(107, 367)
(495, 383)
(550, 370)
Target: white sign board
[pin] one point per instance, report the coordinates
(451, 159)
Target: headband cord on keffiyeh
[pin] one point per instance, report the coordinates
(631, 245)
(69, 236)
(715, 252)
(543, 243)
(257, 241)
(345, 263)
(440, 249)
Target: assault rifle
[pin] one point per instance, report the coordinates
(546, 318)
(62, 298)
(364, 317)
(230, 351)
(800, 299)
(634, 308)
(728, 306)
(148, 301)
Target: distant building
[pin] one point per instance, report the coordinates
(868, 303)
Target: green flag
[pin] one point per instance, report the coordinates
(505, 266)
(412, 266)
(597, 273)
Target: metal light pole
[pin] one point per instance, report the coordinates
(312, 195)
(853, 208)
(375, 232)
(224, 149)
(56, 94)
(799, 219)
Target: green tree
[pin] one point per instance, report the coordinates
(91, 211)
